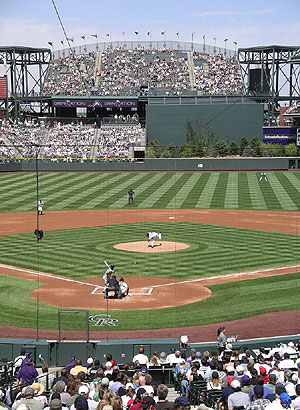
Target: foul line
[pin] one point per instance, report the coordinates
(230, 275)
(49, 275)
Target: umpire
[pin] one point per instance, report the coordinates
(112, 284)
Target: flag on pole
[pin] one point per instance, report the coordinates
(94, 35)
(225, 39)
(107, 34)
(204, 37)
(148, 33)
(83, 37)
(162, 33)
(177, 34)
(136, 32)
(50, 43)
(235, 43)
(70, 39)
(62, 41)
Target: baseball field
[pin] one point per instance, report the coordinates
(230, 249)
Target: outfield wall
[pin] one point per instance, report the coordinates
(167, 123)
(161, 164)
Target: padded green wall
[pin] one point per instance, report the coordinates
(168, 123)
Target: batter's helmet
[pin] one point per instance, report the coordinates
(112, 266)
(121, 280)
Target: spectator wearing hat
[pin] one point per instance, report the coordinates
(238, 398)
(138, 398)
(19, 360)
(260, 382)
(181, 403)
(72, 362)
(83, 391)
(245, 384)
(78, 368)
(259, 403)
(55, 404)
(272, 382)
(27, 373)
(285, 401)
(290, 349)
(226, 392)
(81, 403)
(162, 394)
(29, 400)
(288, 383)
(147, 402)
(141, 357)
(38, 393)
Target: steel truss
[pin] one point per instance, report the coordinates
(25, 68)
(280, 74)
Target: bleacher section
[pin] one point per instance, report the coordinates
(167, 72)
(72, 141)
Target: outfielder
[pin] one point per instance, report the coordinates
(263, 175)
(40, 205)
(152, 236)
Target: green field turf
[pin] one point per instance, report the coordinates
(79, 253)
(157, 190)
(228, 301)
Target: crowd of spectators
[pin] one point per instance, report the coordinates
(69, 141)
(23, 136)
(251, 380)
(114, 141)
(139, 71)
(217, 74)
(71, 75)
(123, 69)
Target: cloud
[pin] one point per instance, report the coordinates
(232, 13)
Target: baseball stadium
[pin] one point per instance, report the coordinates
(150, 195)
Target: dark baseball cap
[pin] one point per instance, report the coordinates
(140, 392)
(259, 391)
(182, 401)
(147, 402)
(81, 403)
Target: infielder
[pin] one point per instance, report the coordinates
(152, 236)
(40, 205)
(263, 175)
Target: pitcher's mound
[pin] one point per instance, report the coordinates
(143, 246)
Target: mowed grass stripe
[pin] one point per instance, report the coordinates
(84, 190)
(282, 185)
(139, 187)
(207, 193)
(291, 185)
(268, 193)
(46, 193)
(157, 189)
(245, 199)
(218, 198)
(191, 201)
(109, 193)
(62, 192)
(185, 191)
(179, 180)
(257, 198)
(121, 192)
(231, 194)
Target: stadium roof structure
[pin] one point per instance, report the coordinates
(23, 49)
(271, 74)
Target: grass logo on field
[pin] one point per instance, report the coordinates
(103, 320)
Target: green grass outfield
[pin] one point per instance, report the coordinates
(79, 253)
(157, 190)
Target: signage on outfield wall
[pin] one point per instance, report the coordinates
(103, 320)
(298, 137)
(102, 103)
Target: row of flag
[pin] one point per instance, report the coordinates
(163, 33)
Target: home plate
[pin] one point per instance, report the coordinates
(171, 217)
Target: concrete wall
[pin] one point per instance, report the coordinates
(161, 164)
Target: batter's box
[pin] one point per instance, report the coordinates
(141, 291)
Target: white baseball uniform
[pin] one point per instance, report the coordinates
(123, 288)
(152, 236)
(107, 274)
(40, 205)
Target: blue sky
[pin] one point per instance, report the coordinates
(249, 23)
